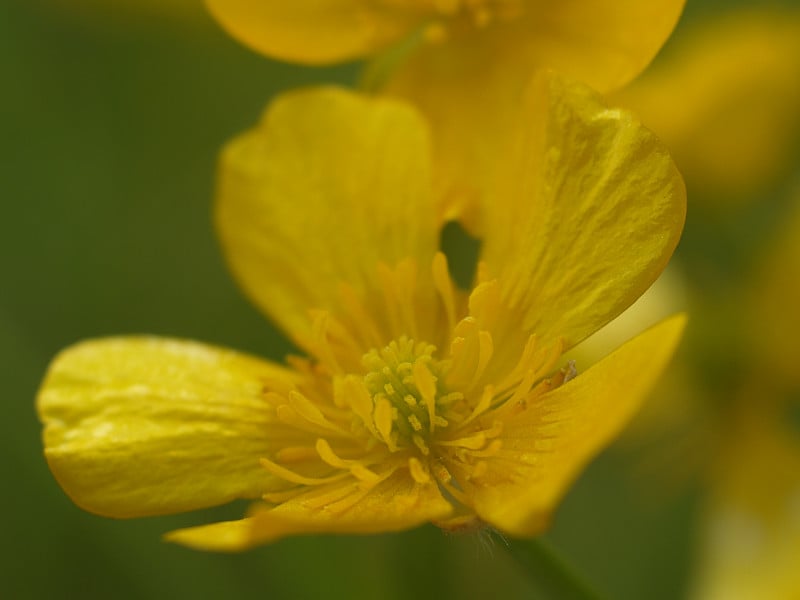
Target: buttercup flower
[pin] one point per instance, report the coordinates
(463, 63)
(751, 530)
(417, 401)
(750, 535)
(583, 38)
(725, 99)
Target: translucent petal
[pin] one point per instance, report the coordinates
(546, 445)
(313, 31)
(396, 504)
(477, 76)
(724, 100)
(583, 212)
(146, 426)
(329, 185)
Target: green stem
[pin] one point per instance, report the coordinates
(552, 578)
(378, 71)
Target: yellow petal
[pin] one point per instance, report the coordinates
(545, 447)
(724, 100)
(330, 184)
(477, 77)
(145, 426)
(751, 531)
(312, 31)
(585, 210)
(396, 504)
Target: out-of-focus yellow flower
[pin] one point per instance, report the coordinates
(584, 38)
(464, 64)
(418, 401)
(751, 534)
(725, 98)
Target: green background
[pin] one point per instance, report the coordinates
(111, 123)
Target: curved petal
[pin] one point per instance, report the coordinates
(584, 39)
(146, 426)
(725, 98)
(330, 184)
(585, 210)
(545, 446)
(603, 46)
(394, 505)
(312, 31)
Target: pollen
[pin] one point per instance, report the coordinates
(406, 377)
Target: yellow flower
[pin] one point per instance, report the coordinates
(418, 401)
(463, 63)
(584, 38)
(725, 100)
(751, 533)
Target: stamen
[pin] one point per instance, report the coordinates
(322, 345)
(383, 420)
(477, 440)
(523, 388)
(483, 405)
(426, 384)
(492, 449)
(302, 414)
(473, 442)
(485, 351)
(418, 472)
(295, 454)
(293, 477)
(444, 286)
(440, 472)
(484, 303)
(414, 421)
(351, 390)
(471, 350)
(356, 467)
(327, 497)
(309, 411)
(420, 443)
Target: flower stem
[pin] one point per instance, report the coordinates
(551, 576)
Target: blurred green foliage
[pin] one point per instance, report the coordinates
(110, 132)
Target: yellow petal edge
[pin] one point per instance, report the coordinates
(546, 447)
(149, 426)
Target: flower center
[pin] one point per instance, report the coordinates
(407, 387)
